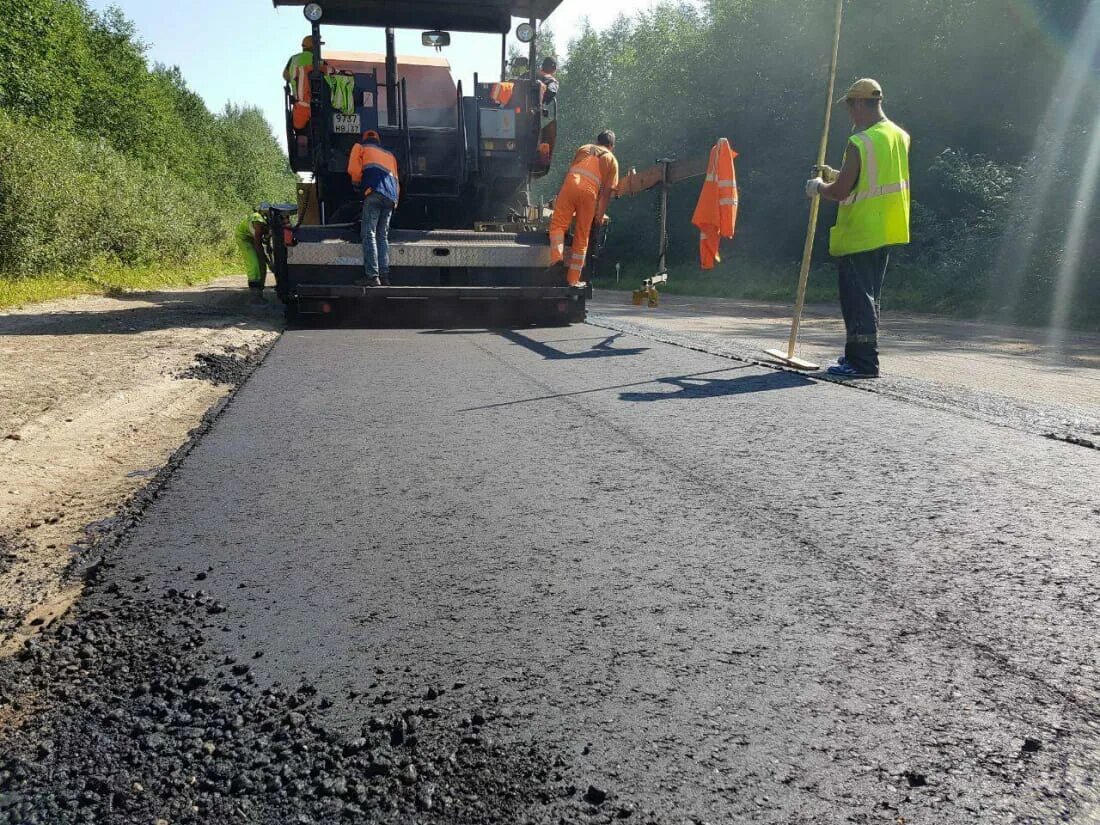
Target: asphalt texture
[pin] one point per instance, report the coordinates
(606, 578)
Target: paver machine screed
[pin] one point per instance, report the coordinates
(465, 231)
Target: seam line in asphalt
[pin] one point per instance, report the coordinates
(868, 385)
(938, 619)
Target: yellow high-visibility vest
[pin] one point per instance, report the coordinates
(298, 61)
(876, 214)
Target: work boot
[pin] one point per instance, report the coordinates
(846, 370)
(370, 280)
(385, 278)
(558, 270)
(256, 295)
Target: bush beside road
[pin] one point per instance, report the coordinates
(113, 173)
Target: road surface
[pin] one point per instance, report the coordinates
(1009, 375)
(711, 591)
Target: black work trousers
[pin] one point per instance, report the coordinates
(861, 278)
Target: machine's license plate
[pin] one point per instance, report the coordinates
(345, 124)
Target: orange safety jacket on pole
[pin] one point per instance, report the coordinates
(716, 213)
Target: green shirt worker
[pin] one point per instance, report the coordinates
(249, 236)
(872, 189)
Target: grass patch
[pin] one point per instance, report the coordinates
(106, 277)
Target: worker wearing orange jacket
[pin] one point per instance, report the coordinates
(373, 171)
(585, 195)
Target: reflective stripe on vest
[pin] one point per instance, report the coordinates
(373, 155)
(302, 60)
(342, 91)
(590, 167)
(303, 90)
(726, 189)
(584, 173)
(876, 214)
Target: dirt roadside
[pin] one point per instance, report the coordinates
(96, 394)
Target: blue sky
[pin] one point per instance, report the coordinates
(235, 50)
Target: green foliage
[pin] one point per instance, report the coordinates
(105, 160)
(102, 206)
(968, 78)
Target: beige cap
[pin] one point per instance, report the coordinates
(865, 89)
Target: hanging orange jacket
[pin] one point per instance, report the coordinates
(501, 93)
(716, 213)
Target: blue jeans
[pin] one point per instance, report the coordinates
(377, 211)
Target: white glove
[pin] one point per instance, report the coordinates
(813, 187)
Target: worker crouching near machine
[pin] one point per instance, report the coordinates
(250, 235)
(373, 171)
(584, 197)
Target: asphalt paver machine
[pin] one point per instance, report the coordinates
(465, 231)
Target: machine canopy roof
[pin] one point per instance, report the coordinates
(457, 15)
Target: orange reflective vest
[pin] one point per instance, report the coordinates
(374, 168)
(595, 168)
(302, 110)
(501, 93)
(716, 213)
(290, 73)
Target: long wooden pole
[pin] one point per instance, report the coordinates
(815, 204)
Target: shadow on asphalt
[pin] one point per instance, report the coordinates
(604, 349)
(690, 387)
(645, 383)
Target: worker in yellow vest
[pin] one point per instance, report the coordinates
(249, 236)
(302, 60)
(873, 191)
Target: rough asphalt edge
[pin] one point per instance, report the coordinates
(1032, 419)
(107, 535)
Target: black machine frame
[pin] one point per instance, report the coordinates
(459, 182)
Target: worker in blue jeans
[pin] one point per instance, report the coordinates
(377, 212)
(374, 170)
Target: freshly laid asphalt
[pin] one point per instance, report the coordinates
(718, 592)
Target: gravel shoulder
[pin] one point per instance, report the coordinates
(96, 395)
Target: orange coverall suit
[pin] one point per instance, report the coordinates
(589, 185)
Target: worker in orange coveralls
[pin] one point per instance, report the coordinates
(589, 185)
(716, 213)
